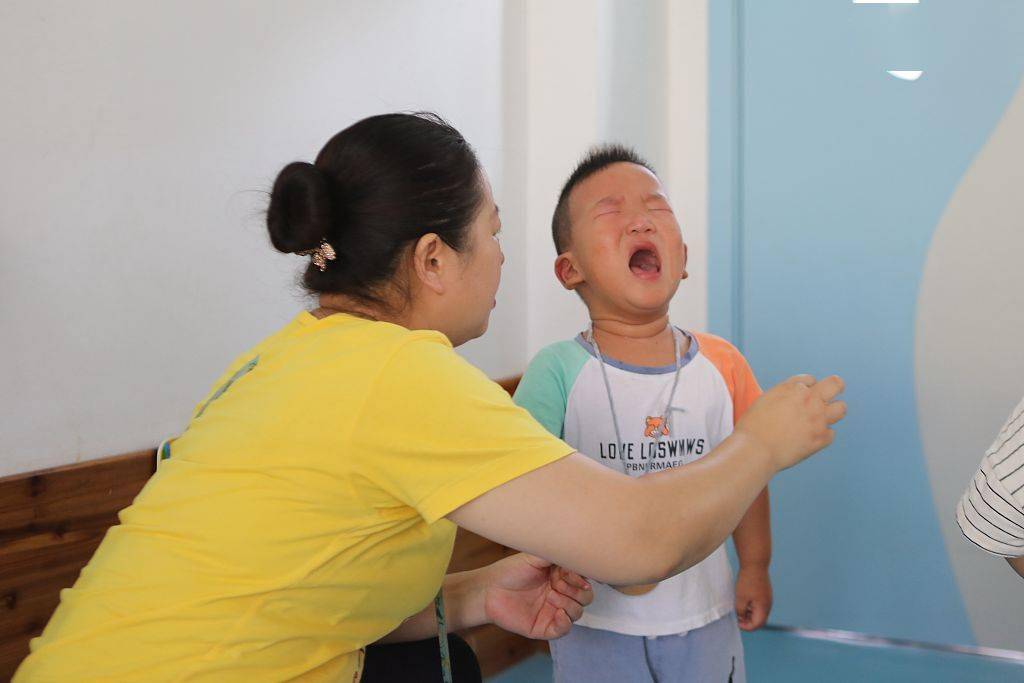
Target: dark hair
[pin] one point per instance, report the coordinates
(375, 188)
(596, 159)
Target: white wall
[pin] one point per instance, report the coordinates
(140, 140)
(563, 118)
(686, 164)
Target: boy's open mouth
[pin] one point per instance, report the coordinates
(644, 262)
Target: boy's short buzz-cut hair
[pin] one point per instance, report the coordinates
(596, 159)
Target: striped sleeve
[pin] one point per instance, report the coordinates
(991, 511)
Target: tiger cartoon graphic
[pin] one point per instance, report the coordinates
(656, 427)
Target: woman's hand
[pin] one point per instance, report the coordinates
(792, 420)
(522, 593)
(534, 598)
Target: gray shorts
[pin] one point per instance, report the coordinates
(710, 654)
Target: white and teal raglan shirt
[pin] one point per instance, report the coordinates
(564, 390)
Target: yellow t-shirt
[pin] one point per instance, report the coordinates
(300, 516)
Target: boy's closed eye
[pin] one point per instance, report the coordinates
(658, 203)
(607, 206)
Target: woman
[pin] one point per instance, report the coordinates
(310, 507)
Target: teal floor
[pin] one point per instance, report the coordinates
(776, 657)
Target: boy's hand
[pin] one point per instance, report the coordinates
(753, 597)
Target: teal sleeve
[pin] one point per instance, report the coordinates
(544, 389)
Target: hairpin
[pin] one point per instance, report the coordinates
(321, 255)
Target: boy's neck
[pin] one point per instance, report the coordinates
(647, 342)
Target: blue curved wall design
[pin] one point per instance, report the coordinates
(828, 178)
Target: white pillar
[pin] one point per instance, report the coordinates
(582, 72)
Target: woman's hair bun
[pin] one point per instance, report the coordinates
(376, 188)
(301, 210)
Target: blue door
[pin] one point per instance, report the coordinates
(829, 176)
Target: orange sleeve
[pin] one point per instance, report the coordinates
(735, 371)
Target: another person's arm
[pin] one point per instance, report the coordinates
(991, 511)
(600, 523)
(522, 594)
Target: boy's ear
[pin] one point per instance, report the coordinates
(429, 258)
(685, 259)
(567, 272)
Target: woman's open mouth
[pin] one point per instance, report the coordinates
(644, 262)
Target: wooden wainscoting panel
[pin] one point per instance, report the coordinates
(50, 524)
(472, 552)
(62, 495)
(510, 384)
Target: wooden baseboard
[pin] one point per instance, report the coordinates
(52, 521)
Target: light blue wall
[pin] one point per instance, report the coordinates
(828, 178)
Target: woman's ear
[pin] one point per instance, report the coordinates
(567, 271)
(686, 254)
(430, 258)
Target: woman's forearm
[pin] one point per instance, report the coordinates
(464, 608)
(702, 503)
(620, 530)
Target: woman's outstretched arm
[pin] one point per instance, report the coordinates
(622, 530)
